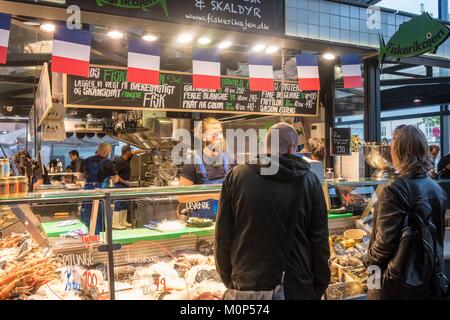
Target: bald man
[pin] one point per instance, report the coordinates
(268, 225)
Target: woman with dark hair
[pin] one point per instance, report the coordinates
(411, 207)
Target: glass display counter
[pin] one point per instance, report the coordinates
(47, 253)
(149, 247)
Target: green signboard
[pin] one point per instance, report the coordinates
(107, 88)
(415, 37)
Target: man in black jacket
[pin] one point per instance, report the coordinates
(270, 224)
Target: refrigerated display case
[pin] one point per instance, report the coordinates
(164, 255)
(46, 253)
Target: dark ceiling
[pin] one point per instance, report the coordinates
(30, 48)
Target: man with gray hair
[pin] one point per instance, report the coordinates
(273, 227)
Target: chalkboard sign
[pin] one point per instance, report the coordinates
(107, 87)
(341, 141)
(261, 16)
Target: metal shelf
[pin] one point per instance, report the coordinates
(54, 197)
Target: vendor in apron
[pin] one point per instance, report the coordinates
(98, 170)
(123, 166)
(209, 169)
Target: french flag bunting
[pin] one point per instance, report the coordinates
(5, 27)
(71, 52)
(206, 68)
(308, 72)
(351, 70)
(144, 62)
(260, 68)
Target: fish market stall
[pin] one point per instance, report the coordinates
(167, 258)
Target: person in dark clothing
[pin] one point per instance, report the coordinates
(76, 163)
(98, 171)
(270, 224)
(36, 173)
(123, 166)
(443, 168)
(411, 159)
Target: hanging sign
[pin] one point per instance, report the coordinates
(107, 88)
(43, 100)
(239, 15)
(415, 37)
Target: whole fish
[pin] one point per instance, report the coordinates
(417, 36)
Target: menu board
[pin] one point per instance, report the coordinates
(341, 141)
(242, 15)
(107, 87)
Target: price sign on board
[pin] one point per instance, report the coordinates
(341, 141)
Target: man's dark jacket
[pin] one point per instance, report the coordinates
(265, 219)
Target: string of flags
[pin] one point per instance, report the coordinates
(351, 70)
(5, 27)
(206, 68)
(72, 50)
(260, 70)
(144, 62)
(308, 72)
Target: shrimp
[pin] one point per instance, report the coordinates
(10, 278)
(7, 291)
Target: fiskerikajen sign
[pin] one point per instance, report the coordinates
(241, 15)
(417, 36)
(145, 5)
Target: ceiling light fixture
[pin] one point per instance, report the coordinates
(272, 49)
(47, 27)
(149, 37)
(225, 45)
(259, 48)
(417, 100)
(329, 56)
(184, 38)
(115, 34)
(31, 23)
(204, 40)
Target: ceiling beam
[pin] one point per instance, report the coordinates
(399, 82)
(407, 74)
(16, 79)
(397, 67)
(7, 95)
(16, 102)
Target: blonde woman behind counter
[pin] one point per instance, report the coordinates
(211, 167)
(316, 147)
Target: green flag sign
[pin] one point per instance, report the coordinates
(415, 37)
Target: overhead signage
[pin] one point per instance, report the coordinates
(107, 87)
(239, 15)
(421, 34)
